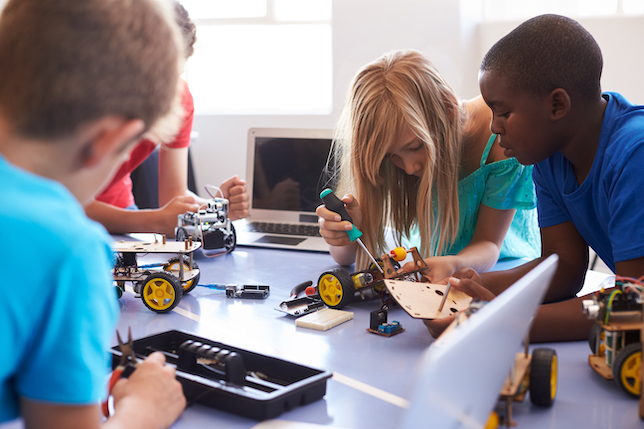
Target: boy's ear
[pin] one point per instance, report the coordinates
(559, 104)
(108, 136)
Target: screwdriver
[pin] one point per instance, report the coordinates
(333, 203)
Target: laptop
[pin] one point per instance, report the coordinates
(459, 377)
(285, 173)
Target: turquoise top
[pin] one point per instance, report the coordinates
(501, 185)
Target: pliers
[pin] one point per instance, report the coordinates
(302, 287)
(127, 358)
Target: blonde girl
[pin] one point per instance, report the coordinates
(412, 157)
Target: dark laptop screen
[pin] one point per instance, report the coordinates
(289, 173)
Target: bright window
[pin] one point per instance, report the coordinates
(261, 56)
(499, 10)
(633, 6)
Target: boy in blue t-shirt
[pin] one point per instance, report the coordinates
(542, 82)
(81, 81)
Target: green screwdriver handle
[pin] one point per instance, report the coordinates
(333, 203)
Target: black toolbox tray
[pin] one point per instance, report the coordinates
(271, 385)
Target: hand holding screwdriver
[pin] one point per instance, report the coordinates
(333, 203)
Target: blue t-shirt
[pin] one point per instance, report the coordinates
(607, 208)
(59, 310)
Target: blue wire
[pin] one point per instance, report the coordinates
(217, 286)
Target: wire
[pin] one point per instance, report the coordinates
(604, 283)
(217, 188)
(610, 304)
(625, 279)
(198, 222)
(216, 286)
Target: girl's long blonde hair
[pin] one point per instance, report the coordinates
(399, 89)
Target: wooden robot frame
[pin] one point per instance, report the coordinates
(616, 337)
(337, 287)
(162, 285)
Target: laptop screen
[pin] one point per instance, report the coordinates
(458, 378)
(289, 173)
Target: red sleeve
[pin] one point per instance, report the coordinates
(119, 192)
(182, 139)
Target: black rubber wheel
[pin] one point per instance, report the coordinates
(172, 264)
(181, 234)
(231, 241)
(595, 332)
(161, 292)
(119, 291)
(626, 369)
(543, 377)
(336, 288)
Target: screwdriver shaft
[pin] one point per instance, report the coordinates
(440, 307)
(370, 255)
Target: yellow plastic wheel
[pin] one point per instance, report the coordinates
(173, 265)
(626, 368)
(161, 292)
(553, 378)
(336, 288)
(493, 421)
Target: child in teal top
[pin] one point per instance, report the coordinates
(413, 158)
(502, 185)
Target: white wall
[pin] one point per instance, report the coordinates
(362, 31)
(447, 30)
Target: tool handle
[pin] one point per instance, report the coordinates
(116, 375)
(299, 288)
(333, 203)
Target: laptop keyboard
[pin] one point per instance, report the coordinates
(284, 228)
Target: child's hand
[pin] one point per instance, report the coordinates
(438, 268)
(465, 280)
(166, 216)
(332, 228)
(235, 190)
(469, 281)
(151, 394)
(437, 326)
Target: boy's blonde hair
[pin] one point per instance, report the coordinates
(401, 89)
(64, 63)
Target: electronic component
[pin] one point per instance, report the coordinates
(378, 324)
(247, 291)
(377, 318)
(389, 329)
(301, 306)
